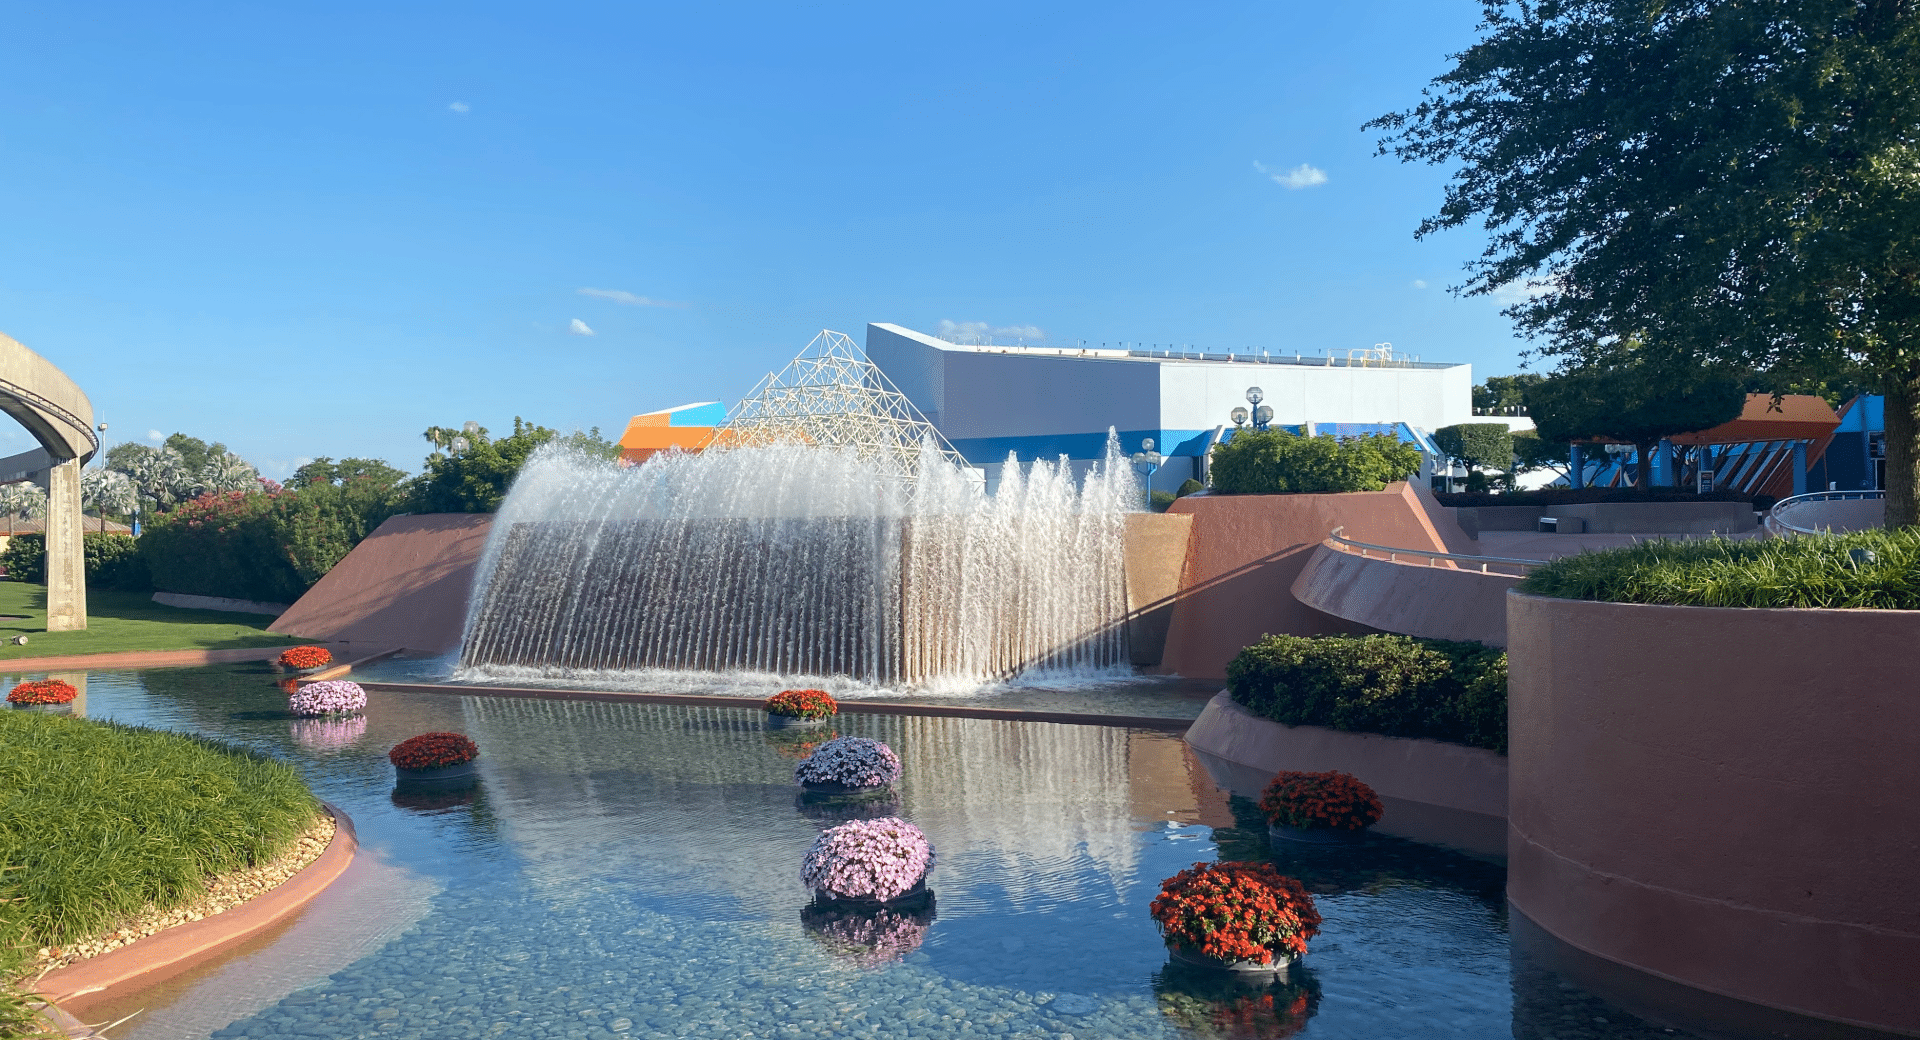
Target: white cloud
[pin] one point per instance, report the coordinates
(1520, 291)
(461, 107)
(1419, 283)
(978, 332)
(1301, 176)
(578, 328)
(156, 436)
(627, 298)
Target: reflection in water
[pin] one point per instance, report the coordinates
(871, 937)
(1212, 1005)
(628, 870)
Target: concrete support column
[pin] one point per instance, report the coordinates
(1799, 467)
(66, 555)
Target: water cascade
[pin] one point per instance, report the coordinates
(798, 560)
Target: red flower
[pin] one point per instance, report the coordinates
(1236, 911)
(303, 657)
(802, 704)
(433, 750)
(1336, 801)
(43, 691)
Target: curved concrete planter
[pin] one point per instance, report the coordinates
(1723, 798)
(1408, 597)
(168, 953)
(1280, 833)
(796, 722)
(1276, 968)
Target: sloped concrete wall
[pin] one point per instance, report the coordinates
(1408, 597)
(1723, 797)
(405, 585)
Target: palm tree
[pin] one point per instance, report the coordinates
(22, 501)
(105, 489)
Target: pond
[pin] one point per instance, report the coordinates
(631, 870)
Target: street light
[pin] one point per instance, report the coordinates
(1261, 415)
(1149, 459)
(1239, 416)
(459, 445)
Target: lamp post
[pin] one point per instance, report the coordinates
(1150, 460)
(1262, 415)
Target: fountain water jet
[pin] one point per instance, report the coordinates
(799, 561)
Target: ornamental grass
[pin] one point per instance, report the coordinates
(850, 762)
(43, 691)
(1877, 570)
(305, 657)
(100, 821)
(1236, 911)
(433, 751)
(1327, 801)
(802, 704)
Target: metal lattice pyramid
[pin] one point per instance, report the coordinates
(831, 395)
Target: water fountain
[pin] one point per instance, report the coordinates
(828, 532)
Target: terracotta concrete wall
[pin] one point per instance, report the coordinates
(405, 585)
(1408, 597)
(1723, 798)
(1156, 555)
(1246, 551)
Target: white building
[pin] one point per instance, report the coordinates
(1044, 402)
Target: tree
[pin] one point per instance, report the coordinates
(160, 476)
(1637, 403)
(193, 451)
(22, 501)
(1532, 453)
(1477, 446)
(108, 490)
(1503, 395)
(224, 472)
(476, 478)
(324, 470)
(1735, 180)
(1276, 462)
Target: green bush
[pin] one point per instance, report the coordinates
(1189, 486)
(113, 560)
(266, 547)
(1276, 462)
(1393, 685)
(1873, 569)
(1160, 500)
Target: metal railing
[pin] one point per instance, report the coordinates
(1777, 523)
(1394, 553)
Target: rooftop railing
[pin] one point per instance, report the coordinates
(1393, 554)
(1779, 517)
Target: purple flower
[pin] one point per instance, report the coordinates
(852, 761)
(332, 697)
(868, 859)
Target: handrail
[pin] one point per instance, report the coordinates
(1393, 553)
(1774, 519)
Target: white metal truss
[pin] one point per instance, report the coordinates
(831, 395)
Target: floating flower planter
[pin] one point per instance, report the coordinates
(1235, 917)
(434, 757)
(800, 709)
(329, 697)
(869, 864)
(53, 696)
(848, 767)
(303, 660)
(1331, 808)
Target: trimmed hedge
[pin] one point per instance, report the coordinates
(1276, 462)
(1870, 569)
(268, 547)
(1398, 686)
(113, 561)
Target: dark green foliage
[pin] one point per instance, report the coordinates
(113, 561)
(475, 479)
(99, 820)
(1809, 571)
(1189, 486)
(1477, 446)
(1503, 395)
(1394, 685)
(265, 547)
(1733, 179)
(1531, 453)
(1276, 462)
(346, 472)
(1160, 500)
(1636, 401)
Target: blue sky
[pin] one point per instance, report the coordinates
(318, 230)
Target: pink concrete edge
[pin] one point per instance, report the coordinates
(142, 659)
(345, 668)
(167, 953)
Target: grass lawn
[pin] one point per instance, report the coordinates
(119, 621)
(98, 821)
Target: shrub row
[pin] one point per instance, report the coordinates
(1398, 686)
(268, 547)
(113, 560)
(1276, 462)
(1874, 569)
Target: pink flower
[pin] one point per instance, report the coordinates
(868, 859)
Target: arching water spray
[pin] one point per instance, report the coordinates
(801, 562)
